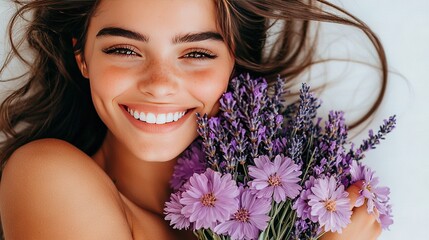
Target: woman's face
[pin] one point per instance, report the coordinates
(152, 65)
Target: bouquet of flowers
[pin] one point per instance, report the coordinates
(263, 170)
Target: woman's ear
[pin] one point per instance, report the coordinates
(80, 60)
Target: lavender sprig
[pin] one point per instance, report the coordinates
(373, 140)
(307, 110)
(208, 141)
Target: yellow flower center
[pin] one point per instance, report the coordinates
(330, 205)
(208, 200)
(274, 180)
(368, 187)
(242, 215)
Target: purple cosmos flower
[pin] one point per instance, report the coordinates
(209, 197)
(278, 179)
(377, 197)
(303, 210)
(330, 204)
(386, 218)
(173, 213)
(249, 219)
(356, 171)
(192, 161)
(370, 191)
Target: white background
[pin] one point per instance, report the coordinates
(401, 161)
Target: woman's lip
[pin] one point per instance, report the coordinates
(157, 128)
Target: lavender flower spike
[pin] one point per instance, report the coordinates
(373, 140)
(278, 179)
(330, 204)
(208, 198)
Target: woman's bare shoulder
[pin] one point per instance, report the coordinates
(52, 190)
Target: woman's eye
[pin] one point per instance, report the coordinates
(201, 55)
(125, 51)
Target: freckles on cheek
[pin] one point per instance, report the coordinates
(110, 81)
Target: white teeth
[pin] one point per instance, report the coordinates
(160, 119)
(170, 117)
(136, 115)
(152, 118)
(142, 116)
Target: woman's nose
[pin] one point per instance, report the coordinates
(158, 81)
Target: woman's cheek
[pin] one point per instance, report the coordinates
(209, 87)
(111, 81)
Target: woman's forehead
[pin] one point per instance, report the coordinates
(157, 15)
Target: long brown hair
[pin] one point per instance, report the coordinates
(55, 101)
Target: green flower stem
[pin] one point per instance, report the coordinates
(281, 219)
(273, 231)
(304, 176)
(320, 235)
(278, 208)
(289, 226)
(205, 234)
(245, 171)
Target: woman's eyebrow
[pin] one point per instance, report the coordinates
(189, 37)
(121, 32)
(196, 37)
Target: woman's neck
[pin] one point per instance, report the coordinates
(144, 183)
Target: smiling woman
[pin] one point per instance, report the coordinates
(155, 66)
(110, 100)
